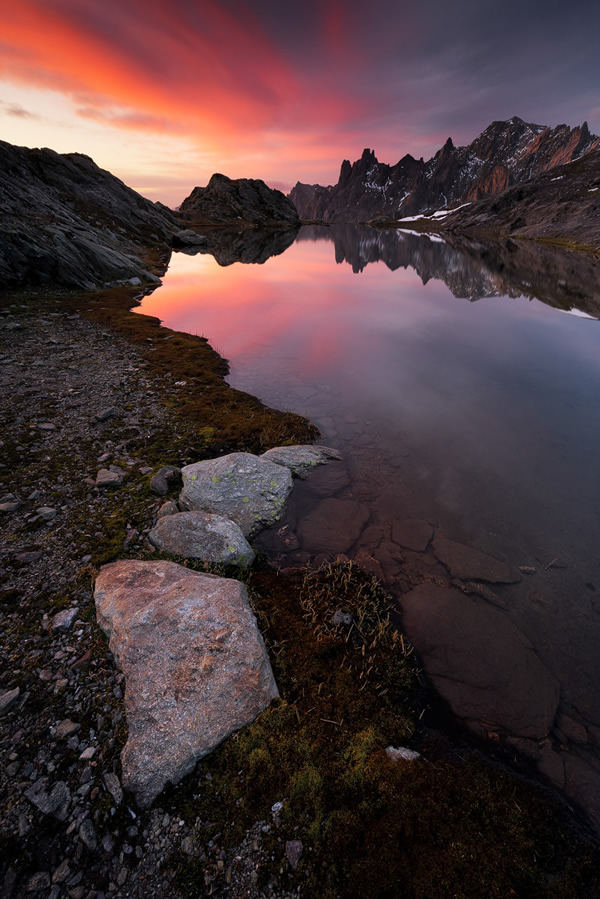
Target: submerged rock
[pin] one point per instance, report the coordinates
(482, 665)
(466, 563)
(245, 488)
(303, 458)
(204, 536)
(195, 665)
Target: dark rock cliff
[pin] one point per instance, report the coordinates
(66, 222)
(559, 205)
(245, 201)
(506, 153)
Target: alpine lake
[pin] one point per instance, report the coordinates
(461, 385)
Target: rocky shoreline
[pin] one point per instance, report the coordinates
(88, 389)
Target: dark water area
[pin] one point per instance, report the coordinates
(468, 415)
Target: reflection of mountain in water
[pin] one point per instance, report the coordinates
(254, 245)
(359, 245)
(473, 270)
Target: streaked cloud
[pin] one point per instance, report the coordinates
(286, 91)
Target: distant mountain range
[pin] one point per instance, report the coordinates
(505, 154)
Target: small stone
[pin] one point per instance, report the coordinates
(62, 621)
(8, 698)
(66, 729)
(187, 845)
(145, 469)
(107, 479)
(39, 881)
(401, 752)
(56, 802)
(87, 835)
(46, 426)
(62, 872)
(293, 852)
(341, 619)
(87, 754)
(113, 785)
(204, 536)
(11, 506)
(527, 569)
(106, 414)
(169, 476)
(169, 508)
(556, 563)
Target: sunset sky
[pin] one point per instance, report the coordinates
(165, 92)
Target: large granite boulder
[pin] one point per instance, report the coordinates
(194, 661)
(247, 489)
(482, 664)
(204, 536)
(301, 459)
(225, 201)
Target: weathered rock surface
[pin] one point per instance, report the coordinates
(194, 661)
(64, 221)
(333, 526)
(225, 201)
(480, 662)
(467, 563)
(301, 459)
(506, 153)
(247, 489)
(204, 536)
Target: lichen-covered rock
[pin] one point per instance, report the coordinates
(245, 488)
(301, 459)
(204, 536)
(195, 665)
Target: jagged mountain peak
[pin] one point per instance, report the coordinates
(505, 153)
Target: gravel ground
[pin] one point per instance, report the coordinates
(77, 399)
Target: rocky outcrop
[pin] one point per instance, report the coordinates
(245, 488)
(506, 153)
(200, 535)
(194, 661)
(563, 205)
(245, 201)
(66, 222)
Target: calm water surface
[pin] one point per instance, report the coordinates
(452, 404)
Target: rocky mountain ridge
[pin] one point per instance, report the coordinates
(559, 205)
(504, 154)
(227, 201)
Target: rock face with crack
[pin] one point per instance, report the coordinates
(204, 536)
(247, 489)
(195, 665)
(482, 665)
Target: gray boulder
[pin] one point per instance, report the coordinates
(301, 459)
(245, 488)
(204, 536)
(195, 666)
